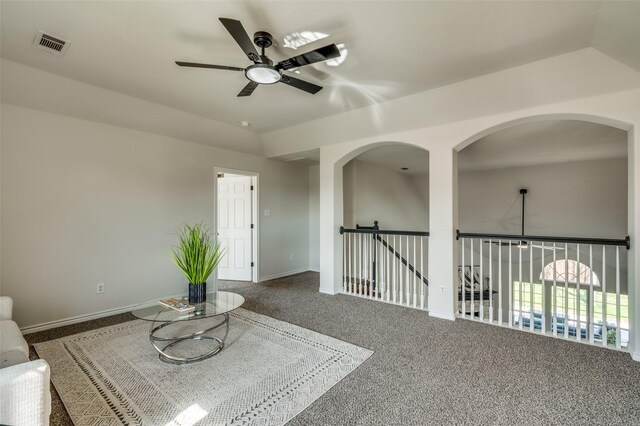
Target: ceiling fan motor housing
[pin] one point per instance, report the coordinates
(263, 39)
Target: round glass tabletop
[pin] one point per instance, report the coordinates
(218, 303)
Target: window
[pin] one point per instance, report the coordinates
(567, 270)
(574, 308)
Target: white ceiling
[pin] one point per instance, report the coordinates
(531, 144)
(394, 48)
(544, 142)
(397, 156)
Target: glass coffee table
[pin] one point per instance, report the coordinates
(218, 303)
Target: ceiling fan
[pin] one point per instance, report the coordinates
(522, 243)
(263, 71)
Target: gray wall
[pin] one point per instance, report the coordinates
(314, 218)
(396, 200)
(582, 199)
(85, 203)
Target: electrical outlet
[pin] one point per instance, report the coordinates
(100, 288)
(267, 212)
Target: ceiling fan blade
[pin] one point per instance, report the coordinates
(301, 84)
(320, 54)
(248, 89)
(241, 37)
(217, 67)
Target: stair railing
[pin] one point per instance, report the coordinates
(572, 288)
(385, 265)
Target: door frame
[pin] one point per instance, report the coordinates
(255, 217)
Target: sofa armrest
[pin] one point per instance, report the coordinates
(6, 307)
(25, 396)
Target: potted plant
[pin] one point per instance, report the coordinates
(197, 255)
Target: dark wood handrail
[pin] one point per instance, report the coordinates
(626, 242)
(344, 230)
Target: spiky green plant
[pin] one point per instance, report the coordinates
(197, 253)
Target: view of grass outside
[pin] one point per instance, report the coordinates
(569, 305)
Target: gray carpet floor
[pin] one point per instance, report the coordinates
(427, 371)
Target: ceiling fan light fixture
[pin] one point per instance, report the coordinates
(263, 74)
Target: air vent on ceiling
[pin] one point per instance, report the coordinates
(50, 44)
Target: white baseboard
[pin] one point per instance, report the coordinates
(635, 356)
(314, 269)
(115, 311)
(89, 317)
(442, 316)
(282, 275)
(74, 320)
(330, 291)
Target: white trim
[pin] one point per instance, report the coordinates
(442, 316)
(495, 323)
(389, 302)
(313, 269)
(330, 291)
(282, 275)
(74, 320)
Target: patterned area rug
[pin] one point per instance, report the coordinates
(268, 372)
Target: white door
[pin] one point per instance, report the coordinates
(234, 227)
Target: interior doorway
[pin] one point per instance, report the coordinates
(236, 224)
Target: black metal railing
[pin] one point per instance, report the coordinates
(376, 233)
(568, 287)
(626, 242)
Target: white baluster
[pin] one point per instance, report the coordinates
(360, 258)
(472, 308)
(510, 288)
(554, 295)
(370, 264)
(499, 282)
(531, 296)
(566, 291)
(387, 276)
(422, 272)
(344, 262)
(490, 282)
(407, 284)
(543, 329)
(461, 277)
(349, 284)
(604, 296)
(394, 269)
(618, 342)
(366, 269)
(520, 299)
(481, 282)
(415, 275)
(577, 298)
(592, 302)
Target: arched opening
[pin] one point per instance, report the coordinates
(573, 175)
(385, 209)
(569, 271)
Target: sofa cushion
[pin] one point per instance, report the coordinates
(9, 358)
(11, 339)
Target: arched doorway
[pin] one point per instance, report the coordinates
(573, 175)
(385, 227)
